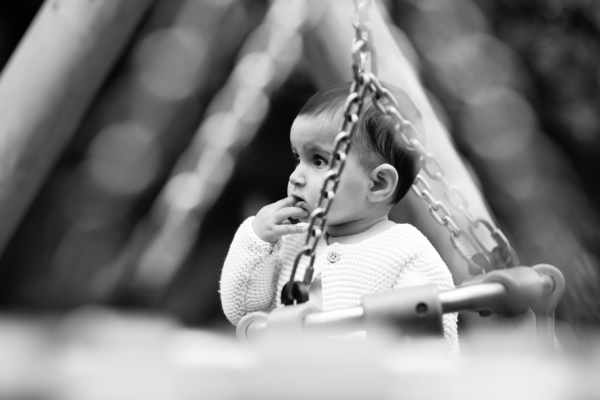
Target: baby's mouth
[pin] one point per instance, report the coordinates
(301, 203)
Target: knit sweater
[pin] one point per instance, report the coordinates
(255, 271)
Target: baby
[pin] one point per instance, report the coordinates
(362, 251)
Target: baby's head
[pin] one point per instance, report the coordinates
(378, 167)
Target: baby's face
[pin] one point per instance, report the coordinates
(312, 145)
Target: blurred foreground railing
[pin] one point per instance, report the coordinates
(94, 353)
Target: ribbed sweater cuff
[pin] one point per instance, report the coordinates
(257, 243)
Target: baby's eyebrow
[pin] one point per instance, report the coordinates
(315, 148)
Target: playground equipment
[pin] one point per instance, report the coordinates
(417, 311)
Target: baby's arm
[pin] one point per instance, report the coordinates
(249, 276)
(425, 267)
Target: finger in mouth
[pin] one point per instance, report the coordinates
(302, 205)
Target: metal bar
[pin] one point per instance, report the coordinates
(466, 298)
(341, 321)
(472, 297)
(476, 297)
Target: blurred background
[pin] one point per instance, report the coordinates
(188, 135)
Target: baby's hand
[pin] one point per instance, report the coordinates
(271, 222)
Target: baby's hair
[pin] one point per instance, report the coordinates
(375, 140)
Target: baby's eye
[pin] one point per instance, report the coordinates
(319, 162)
(296, 158)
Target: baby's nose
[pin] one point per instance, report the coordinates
(296, 179)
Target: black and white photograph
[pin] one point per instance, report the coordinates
(299, 199)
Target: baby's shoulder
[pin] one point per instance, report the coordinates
(407, 232)
(406, 238)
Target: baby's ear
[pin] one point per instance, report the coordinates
(384, 180)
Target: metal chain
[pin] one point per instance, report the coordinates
(341, 145)
(501, 255)
(364, 82)
(352, 111)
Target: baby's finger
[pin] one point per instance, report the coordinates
(293, 212)
(293, 229)
(288, 201)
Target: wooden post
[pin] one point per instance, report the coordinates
(329, 56)
(47, 86)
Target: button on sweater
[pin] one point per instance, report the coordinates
(255, 271)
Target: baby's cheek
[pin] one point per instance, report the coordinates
(337, 212)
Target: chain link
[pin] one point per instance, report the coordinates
(363, 48)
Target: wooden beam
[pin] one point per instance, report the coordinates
(47, 86)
